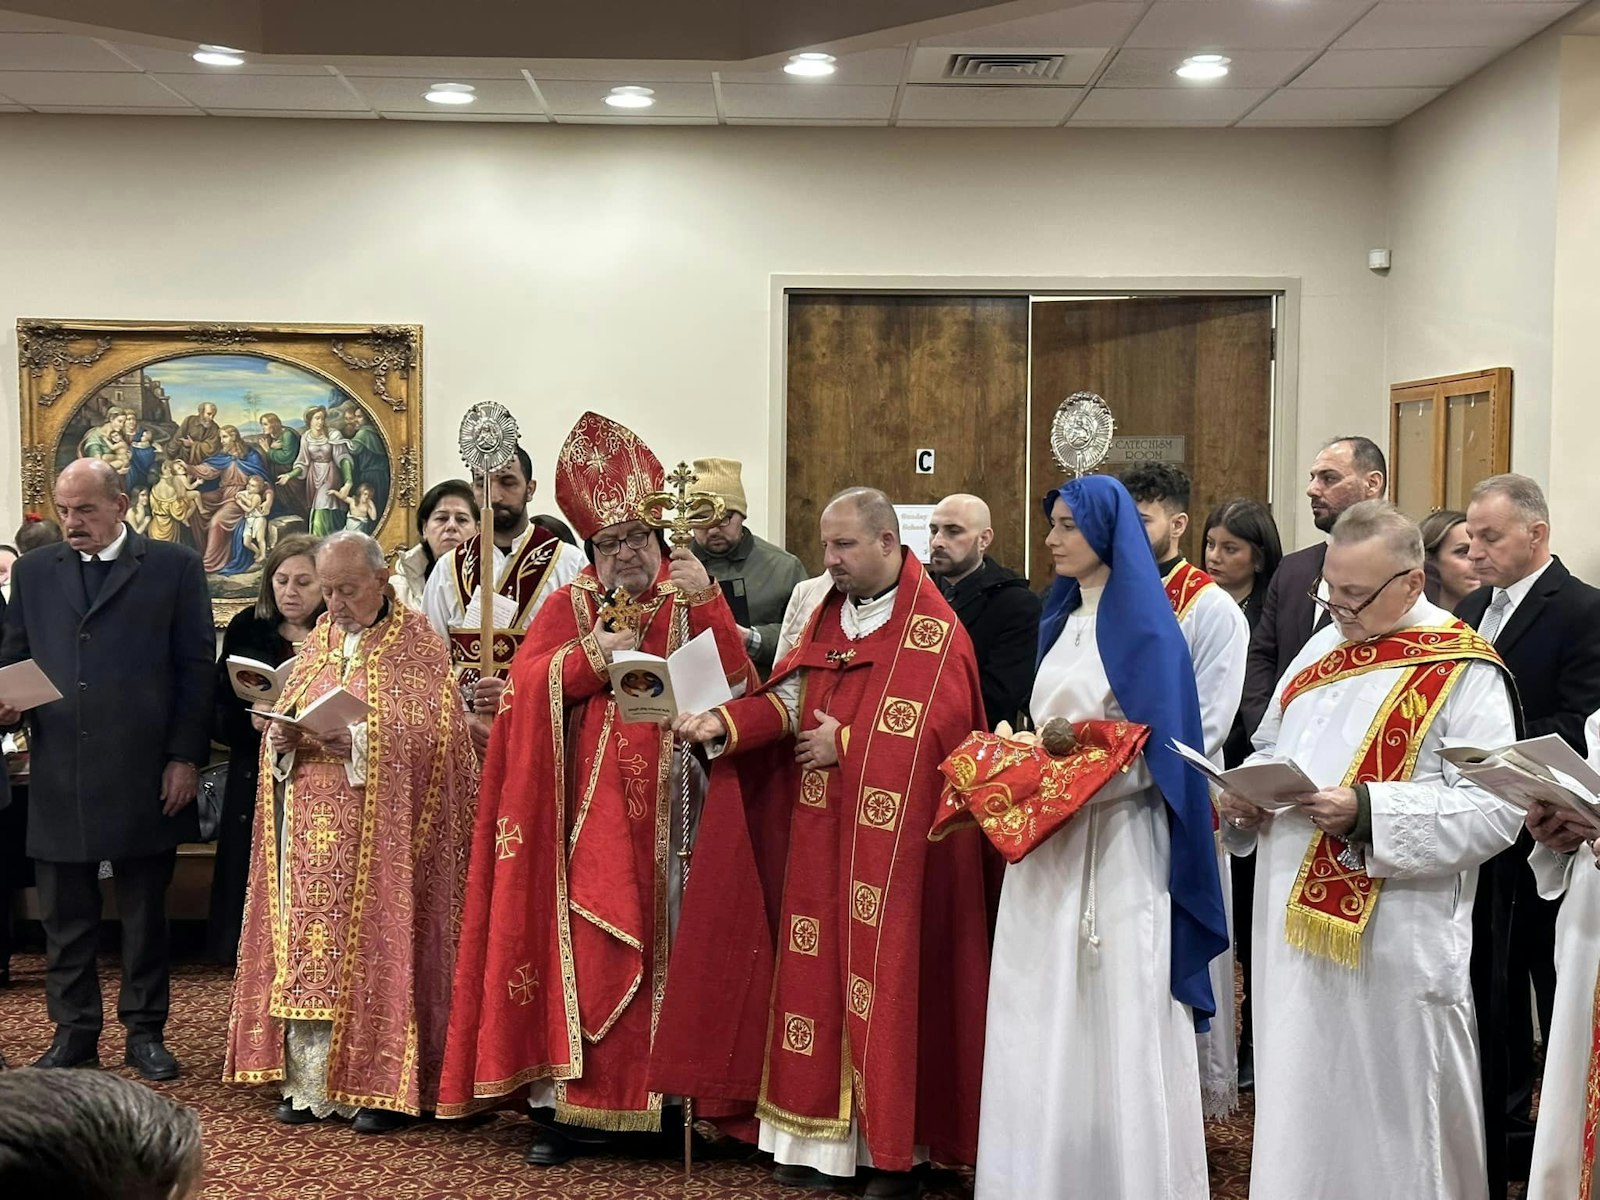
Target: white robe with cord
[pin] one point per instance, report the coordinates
(1091, 1084)
(1367, 1079)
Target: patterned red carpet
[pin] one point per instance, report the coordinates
(249, 1155)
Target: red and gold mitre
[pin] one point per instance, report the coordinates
(602, 474)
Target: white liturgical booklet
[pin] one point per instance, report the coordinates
(256, 682)
(1272, 784)
(23, 686)
(654, 689)
(503, 613)
(329, 713)
(1543, 769)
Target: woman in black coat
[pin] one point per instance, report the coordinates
(288, 605)
(1242, 553)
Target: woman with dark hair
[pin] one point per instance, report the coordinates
(1450, 577)
(270, 631)
(1242, 554)
(447, 517)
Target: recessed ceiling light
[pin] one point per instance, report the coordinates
(631, 97)
(1204, 66)
(811, 63)
(450, 93)
(218, 56)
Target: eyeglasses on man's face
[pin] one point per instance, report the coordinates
(1343, 612)
(611, 547)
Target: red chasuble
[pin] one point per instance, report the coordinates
(563, 952)
(361, 930)
(521, 580)
(833, 958)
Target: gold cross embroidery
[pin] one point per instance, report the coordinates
(322, 835)
(506, 838)
(523, 984)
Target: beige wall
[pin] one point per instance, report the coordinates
(630, 270)
(1471, 218)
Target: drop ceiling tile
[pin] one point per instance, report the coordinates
(56, 52)
(761, 100)
(494, 96)
(1396, 68)
(568, 98)
(1154, 68)
(302, 93)
(1339, 104)
(1227, 25)
(1168, 105)
(601, 119)
(1099, 24)
(353, 115)
(999, 105)
(99, 89)
(430, 70)
(522, 118)
(165, 61)
(870, 66)
(1405, 26)
(811, 121)
(118, 110)
(618, 71)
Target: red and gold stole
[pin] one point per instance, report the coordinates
(1184, 583)
(1591, 1114)
(524, 575)
(1333, 897)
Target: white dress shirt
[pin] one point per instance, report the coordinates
(1515, 595)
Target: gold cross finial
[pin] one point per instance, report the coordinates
(690, 510)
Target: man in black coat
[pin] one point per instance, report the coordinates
(999, 612)
(1545, 623)
(1347, 471)
(122, 626)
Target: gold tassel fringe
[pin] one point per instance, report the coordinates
(820, 1128)
(1321, 936)
(610, 1120)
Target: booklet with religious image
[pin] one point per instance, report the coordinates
(1271, 784)
(256, 682)
(648, 688)
(331, 712)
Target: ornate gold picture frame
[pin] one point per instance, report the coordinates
(230, 436)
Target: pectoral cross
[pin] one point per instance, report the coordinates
(618, 611)
(690, 510)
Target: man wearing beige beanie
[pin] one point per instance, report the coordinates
(751, 569)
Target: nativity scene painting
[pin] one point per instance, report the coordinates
(227, 451)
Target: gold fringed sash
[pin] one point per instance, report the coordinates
(1333, 897)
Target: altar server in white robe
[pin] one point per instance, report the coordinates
(1218, 636)
(1366, 1049)
(1099, 975)
(1563, 862)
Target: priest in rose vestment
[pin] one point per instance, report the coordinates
(574, 885)
(1563, 862)
(1218, 637)
(834, 963)
(1367, 1080)
(357, 867)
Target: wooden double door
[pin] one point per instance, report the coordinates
(875, 381)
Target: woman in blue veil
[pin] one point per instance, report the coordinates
(1091, 1081)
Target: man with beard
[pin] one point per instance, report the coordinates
(1347, 471)
(574, 886)
(993, 602)
(761, 574)
(530, 563)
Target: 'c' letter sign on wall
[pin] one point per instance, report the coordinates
(925, 462)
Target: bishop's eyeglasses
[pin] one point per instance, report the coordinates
(611, 547)
(1343, 612)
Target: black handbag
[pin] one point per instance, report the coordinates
(208, 800)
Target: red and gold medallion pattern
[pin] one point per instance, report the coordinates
(1333, 897)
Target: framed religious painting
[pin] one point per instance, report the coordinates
(230, 437)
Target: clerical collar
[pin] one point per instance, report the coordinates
(1167, 568)
(860, 601)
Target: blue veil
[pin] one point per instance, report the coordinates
(1147, 662)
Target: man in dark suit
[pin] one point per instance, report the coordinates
(122, 627)
(1545, 623)
(999, 612)
(1347, 471)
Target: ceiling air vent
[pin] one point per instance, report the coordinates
(1000, 69)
